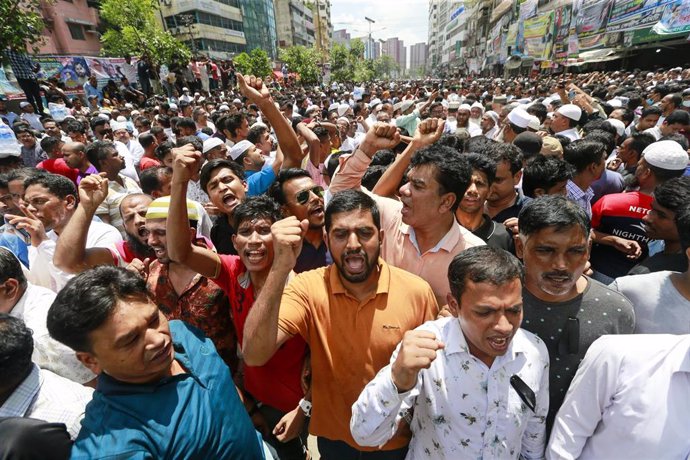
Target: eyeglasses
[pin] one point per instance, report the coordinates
(303, 196)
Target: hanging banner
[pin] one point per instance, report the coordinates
(538, 36)
(528, 9)
(12, 91)
(563, 17)
(590, 22)
(635, 14)
(675, 19)
(109, 69)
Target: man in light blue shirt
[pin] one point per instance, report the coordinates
(91, 89)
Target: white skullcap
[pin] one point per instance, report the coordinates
(211, 143)
(464, 107)
(519, 117)
(619, 125)
(615, 103)
(118, 125)
(342, 109)
(239, 148)
(405, 105)
(493, 115)
(570, 111)
(668, 155)
(534, 123)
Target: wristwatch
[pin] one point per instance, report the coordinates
(305, 406)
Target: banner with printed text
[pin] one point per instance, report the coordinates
(538, 36)
(675, 18)
(635, 14)
(590, 18)
(563, 17)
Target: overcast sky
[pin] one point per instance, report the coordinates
(405, 19)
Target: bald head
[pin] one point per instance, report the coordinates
(74, 154)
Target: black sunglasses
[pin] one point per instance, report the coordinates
(303, 195)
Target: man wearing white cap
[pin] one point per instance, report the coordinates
(518, 121)
(565, 121)
(214, 148)
(29, 116)
(476, 113)
(122, 135)
(619, 235)
(489, 124)
(185, 95)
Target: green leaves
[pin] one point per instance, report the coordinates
(304, 61)
(21, 24)
(131, 28)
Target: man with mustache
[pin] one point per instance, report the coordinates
(351, 314)
(565, 308)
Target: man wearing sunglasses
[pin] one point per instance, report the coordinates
(299, 196)
(565, 308)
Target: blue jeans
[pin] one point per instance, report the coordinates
(339, 450)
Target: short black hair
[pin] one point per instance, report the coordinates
(483, 164)
(641, 141)
(372, 175)
(506, 152)
(483, 264)
(478, 144)
(544, 172)
(678, 116)
(383, 158)
(332, 163)
(676, 137)
(56, 184)
(88, 300)
(628, 115)
(598, 124)
(529, 143)
(11, 268)
(673, 194)
(194, 140)
(149, 179)
(49, 144)
(582, 153)
(146, 139)
(552, 211)
(16, 347)
(651, 110)
(351, 200)
(96, 122)
(538, 110)
(74, 126)
(234, 122)
(453, 171)
(603, 137)
(210, 166)
(98, 151)
(163, 149)
(255, 133)
(256, 207)
(186, 122)
(276, 190)
(683, 225)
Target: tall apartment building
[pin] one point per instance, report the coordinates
(396, 49)
(259, 20)
(70, 28)
(447, 21)
(323, 26)
(342, 37)
(211, 27)
(294, 23)
(418, 58)
(372, 47)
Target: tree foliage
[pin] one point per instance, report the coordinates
(385, 67)
(349, 65)
(304, 61)
(131, 28)
(256, 63)
(21, 23)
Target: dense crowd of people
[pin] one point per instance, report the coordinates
(445, 269)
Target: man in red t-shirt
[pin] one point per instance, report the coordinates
(277, 384)
(148, 160)
(55, 164)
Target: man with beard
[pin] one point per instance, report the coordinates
(421, 233)
(489, 124)
(50, 202)
(299, 196)
(566, 309)
(276, 384)
(374, 302)
(71, 254)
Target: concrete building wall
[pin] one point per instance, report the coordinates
(294, 23)
(70, 28)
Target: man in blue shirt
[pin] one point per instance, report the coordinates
(163, 391)
(91, 89)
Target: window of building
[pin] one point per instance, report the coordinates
(76, 31)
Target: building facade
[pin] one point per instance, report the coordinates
(396, 49)
(71, 28)
(342, 37)
(213, 28)
(259, 20)
(294, 23)
(321, 10)
(418, 58)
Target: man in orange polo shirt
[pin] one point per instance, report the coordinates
(351, 314)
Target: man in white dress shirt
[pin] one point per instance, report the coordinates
(28, 391)
(476, 383)
(30, 303)
(628, 400)
(565, 121)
